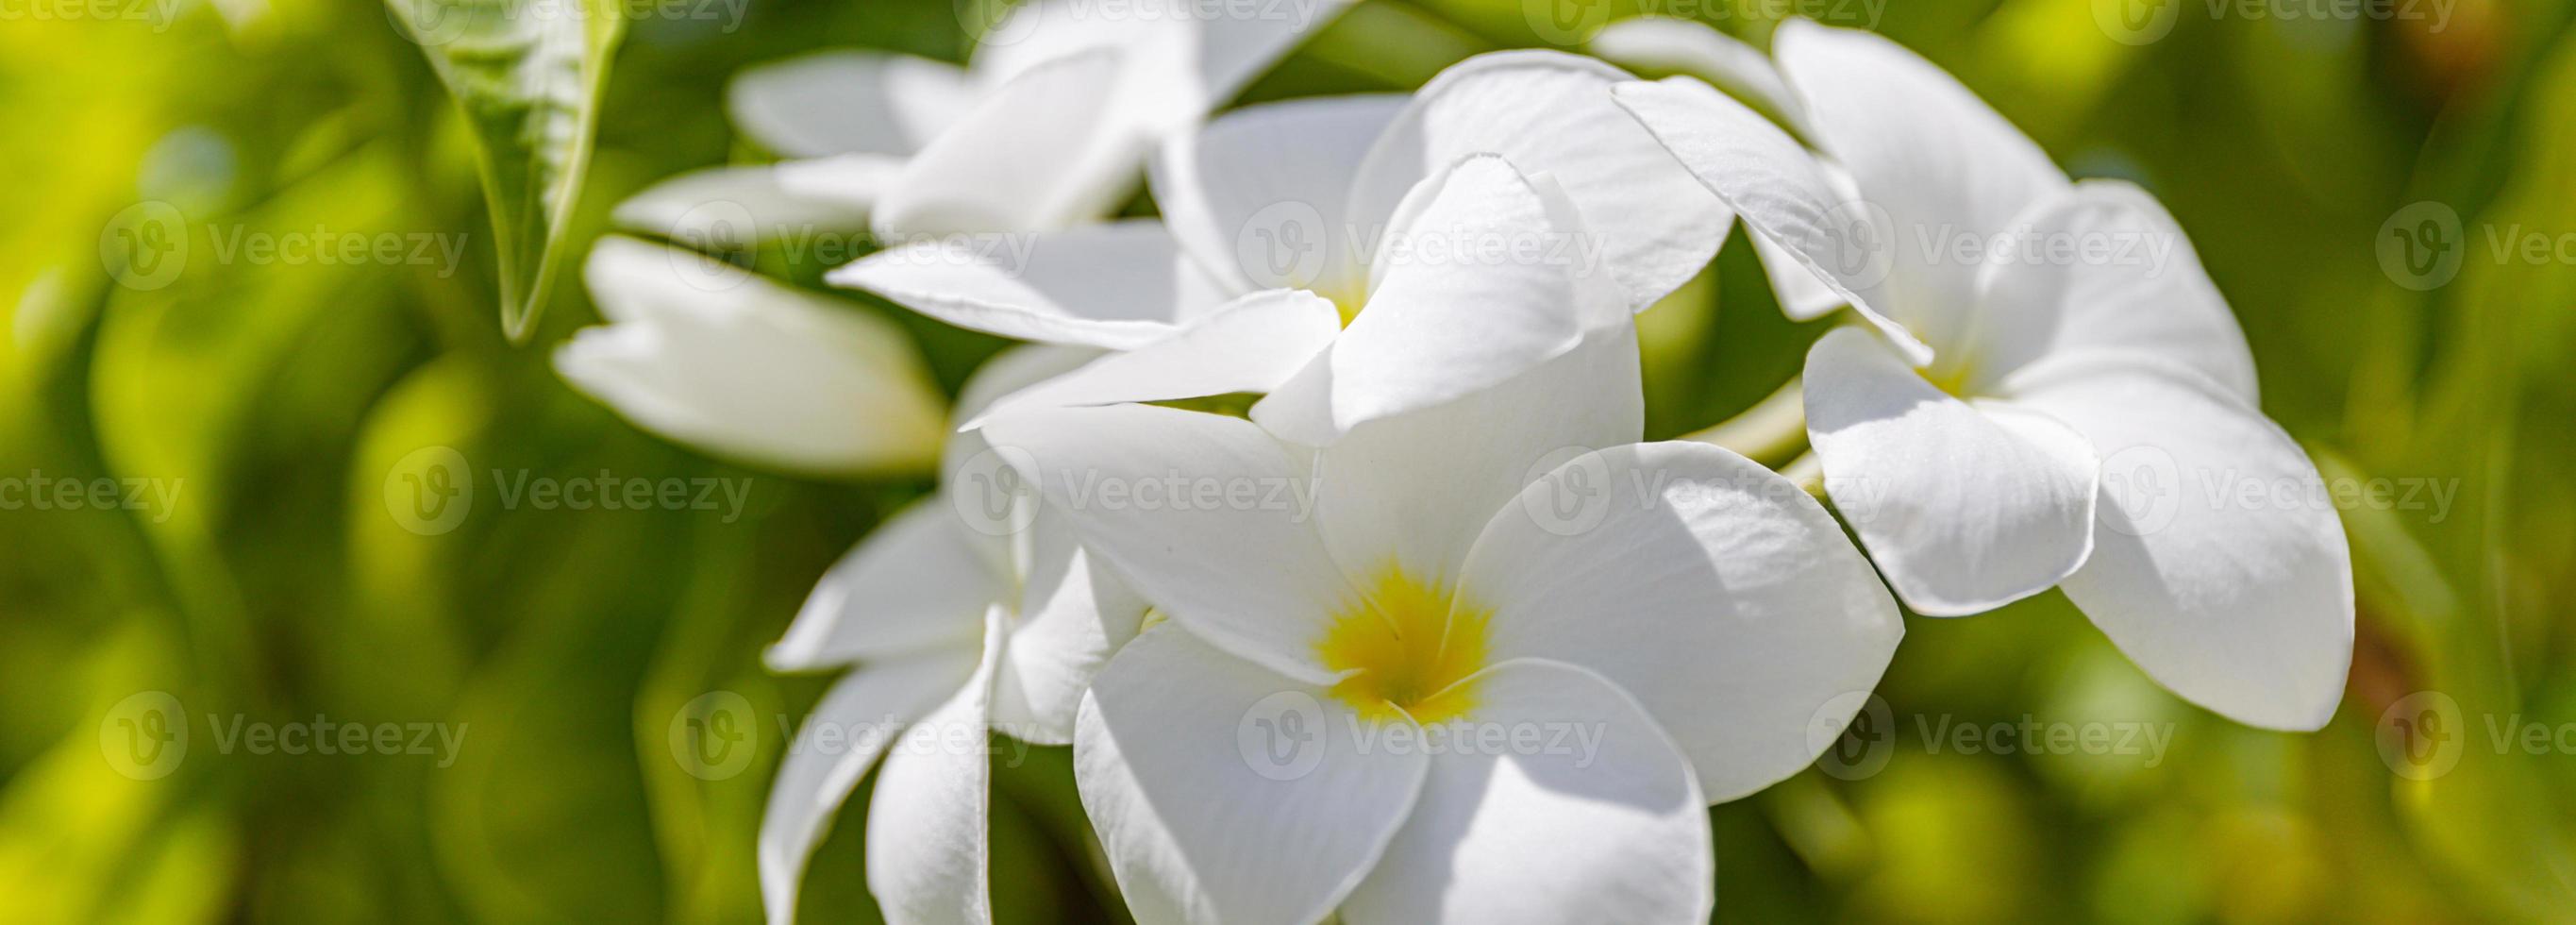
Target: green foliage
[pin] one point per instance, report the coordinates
(273, 410)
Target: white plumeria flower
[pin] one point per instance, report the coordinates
(1330, 196)
(2086, 356)
(1385, 658)
(703, 353)
(970, 610)
(1046, 127)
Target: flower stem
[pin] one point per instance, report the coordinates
(1771, 430)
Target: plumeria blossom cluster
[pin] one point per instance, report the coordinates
(1315, 517)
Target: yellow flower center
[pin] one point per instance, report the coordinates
(1409, 644)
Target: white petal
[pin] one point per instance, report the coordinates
(1784, 193)
(1039, 153)
(1250, 345)
(708, 355)
(1471, 295)
(919, 583)
(1939, 162)
(846, 183)
(1120, 286)
(1803, 296)
(1716, 592)
(1074, 614)
(1243, 40)
(1415, 489)
(2219, 564)
(725, 208)
(1225, 793)
(847, 102)
(1606, 829)
(848, 729)
(1688, 46)
(1206, 515)
(928, 838)
(2129, 280)
(1257, 196)
(1965, 507)
(1205, 52)
(1551, 113)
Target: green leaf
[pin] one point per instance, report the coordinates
(528, 75)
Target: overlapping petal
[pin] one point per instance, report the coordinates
(1927, 154)
(1249, 345)
(929, 839)
(1258, 195)
(919, 583)
(1074, 613)
(1224, 792)
(977, 176)
(1716, 592)
(2219, 564)
(1484, 280)
(1206, 515)
(1121, 285)
(1600, 820)
(1965, 506)
(2107, 269)
(1551, 114)
(848, 730)
(1803, 207)
(848, 102)
(1414, 489)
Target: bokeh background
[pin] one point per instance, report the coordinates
(264, 576)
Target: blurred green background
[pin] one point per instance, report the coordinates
(264, 575)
